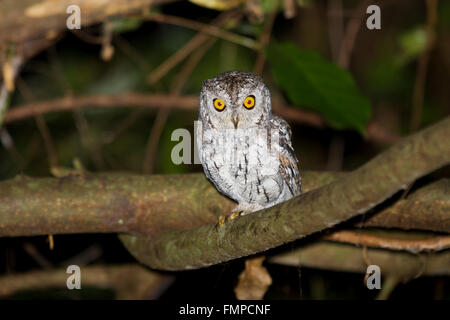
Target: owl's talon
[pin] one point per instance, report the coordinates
(234, 215)
(221, 222)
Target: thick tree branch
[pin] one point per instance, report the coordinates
(310, 212)
(114, 202)
(429, 205)
(153, 205)
(29, 20)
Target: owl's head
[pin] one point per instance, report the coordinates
(235, 99)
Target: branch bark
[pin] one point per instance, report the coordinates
(410, 244)
(428, 208)
(153, 205)
(30, 20)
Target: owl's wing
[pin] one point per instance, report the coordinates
(286, 154)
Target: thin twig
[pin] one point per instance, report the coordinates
(57, 71)
(335, 27)
(87, 37)
(152, 143)
(131, 52)
(388, 286)
(176, 58)
(421, 74)
(10, 71)
(161, 118)
(436, 243)
(107, 51)
(85, 257)
(344, 258)
(80, 121)
(378, 133)
(419, 84)
(93, 147)
(350, 34)
(41, 125)
(374, 131)
(264, 41)
(186, 50)
(336, 147)
(208, 29)
(4, 102)
(48, 141)
(37, 256)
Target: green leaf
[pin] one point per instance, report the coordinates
(314, 83)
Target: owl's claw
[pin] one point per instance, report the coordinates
(234, 215)
(221, 222)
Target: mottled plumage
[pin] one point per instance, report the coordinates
(245, 150)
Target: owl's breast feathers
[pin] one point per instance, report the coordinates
(255, 167)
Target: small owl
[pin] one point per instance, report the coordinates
(245, 150)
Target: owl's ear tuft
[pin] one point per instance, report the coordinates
(258, 79)
(205, 83)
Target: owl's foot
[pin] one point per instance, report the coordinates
(222, 221)
(232, 216)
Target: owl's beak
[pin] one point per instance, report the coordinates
(235, 120)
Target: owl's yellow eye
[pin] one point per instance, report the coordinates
(249, 102)
(219, 104)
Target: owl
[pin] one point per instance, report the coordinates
(245, 150)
